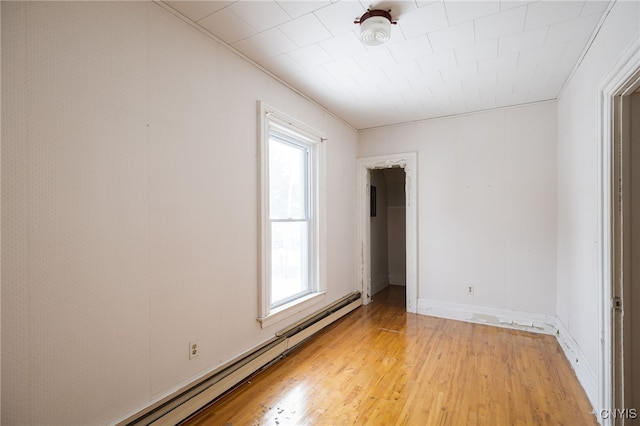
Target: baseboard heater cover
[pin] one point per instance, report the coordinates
(176, 408)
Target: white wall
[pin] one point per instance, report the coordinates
(129, 207)
(577, 277)
(486, 205)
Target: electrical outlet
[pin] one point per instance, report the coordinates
(470, 290)
(194, 348)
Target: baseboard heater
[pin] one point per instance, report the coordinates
(179, 406)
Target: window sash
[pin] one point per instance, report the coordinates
(284, 284)
(306, 171)
(274, 306)
(291, 270)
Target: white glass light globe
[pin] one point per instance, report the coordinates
(375, 31)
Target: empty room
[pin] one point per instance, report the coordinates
(320, 212)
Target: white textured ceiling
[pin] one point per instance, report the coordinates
(444, 57)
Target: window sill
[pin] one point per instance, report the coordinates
(285, 311)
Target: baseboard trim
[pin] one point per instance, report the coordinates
(536, 323)
(587, 376)
(379, 285)
(398, 279)
(178, 406)
(195, 403)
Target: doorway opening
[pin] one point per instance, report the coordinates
(392, 171)
(619, 254)
(388, 230)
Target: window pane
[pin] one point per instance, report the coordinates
(287, 181)
(289, 261)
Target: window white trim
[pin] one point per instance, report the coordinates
(270, 118)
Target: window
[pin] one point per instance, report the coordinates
(292, 201)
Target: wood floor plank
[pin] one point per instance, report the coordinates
(382, 366)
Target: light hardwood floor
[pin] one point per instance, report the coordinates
(382, 366)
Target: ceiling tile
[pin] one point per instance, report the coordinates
(497, 64)
(594, 7)
(538, 87)
(227, 26)
(397, 7)
(429, 78)
(372, 78)
(437, 61)
(347, 44)
(323, 95)
(541, 55)
(396, 89)
(441, 98)
(479, 103)
(375, 58)
(577, 29)
(305, 30)
(342, 84)
(510, 4)
(480, 81)
(522, 41)
(445, 57)
(545, 13)
(476, 52)
(575, 49)
(408, 50)
(557, 82)
(307, 76)
(396, 34)
(510, 76)
(281, 64)
(265, 44)
(296, 9)
(548, 92)
(342, 68)
(442, 92)
(261, 15)
(397, 72)
(419, 99)
(196, 10)
(488, 94)
(423, 20)
(463, 11)
(420, 84)
(310, 56)
(563, 67)
(249, 50)
(500, 24)
(503, 93)
(338, 17)
(457, 73)
(452, 37)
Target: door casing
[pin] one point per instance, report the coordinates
(408, 161)
(613, 244)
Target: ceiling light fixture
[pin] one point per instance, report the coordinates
(375, 26)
